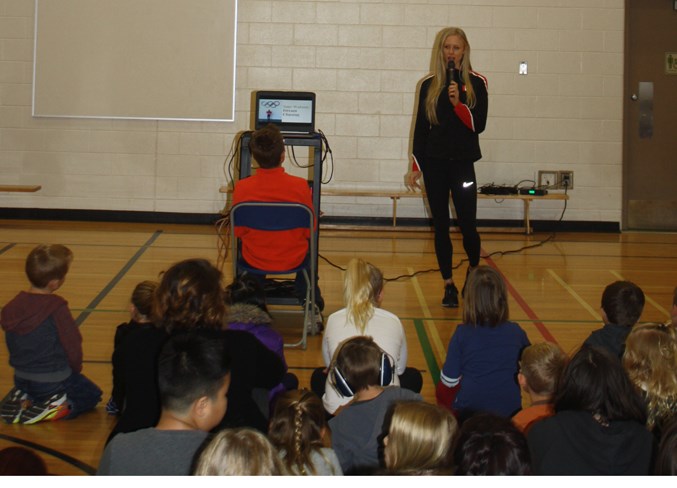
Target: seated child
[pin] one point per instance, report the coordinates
(248, 312)
(479, 373)
(490, 445)
(193, 379)
(20, 461)
(45, 346)
(299, 430)
(189, 297)
(650, 359)
(140, 311)
(419, 439)
(599, 426)
(280, 250)
(622, 305)
(239, 452)
(540, 368)
(363, 291)
(363, 371)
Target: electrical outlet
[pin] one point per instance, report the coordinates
(565, 180)
(547, 179)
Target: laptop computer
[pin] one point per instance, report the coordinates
(292, 112)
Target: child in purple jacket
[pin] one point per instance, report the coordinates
(248, 312)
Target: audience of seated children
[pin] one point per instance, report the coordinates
(488, 445)
(279, 250)
(650, 359)
(191, 296)
(419, 439)
(622, 306)
(298, 429)
(239, 452)
(20, 461)
(599, 422)
(136, 347)
(540, 366)
(247, 311)
(666, 456)
(45, 346)
(480, 370)
(193, 379)
(362, 316)
(362, 371)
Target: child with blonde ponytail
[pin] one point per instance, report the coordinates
(298, 429)
(362, 315)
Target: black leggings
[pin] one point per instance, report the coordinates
(442, 176)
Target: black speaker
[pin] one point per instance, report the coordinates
(346, 390)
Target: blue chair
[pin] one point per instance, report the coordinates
(273, 217)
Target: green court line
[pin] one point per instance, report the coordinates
(427, 351)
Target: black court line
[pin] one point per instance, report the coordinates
(90, 308)
(7, 248)
(86, 468)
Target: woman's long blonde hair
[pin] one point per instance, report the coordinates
(650, 359)
(362, 286)
(438, 68)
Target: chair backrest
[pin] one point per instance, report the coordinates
(272, 216)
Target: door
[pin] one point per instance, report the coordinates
(650, 116)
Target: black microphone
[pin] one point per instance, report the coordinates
(451, 72)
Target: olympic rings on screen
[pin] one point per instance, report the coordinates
(271, 104)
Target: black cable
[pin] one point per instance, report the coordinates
(229, 166)
(464, 260)
(325, 152)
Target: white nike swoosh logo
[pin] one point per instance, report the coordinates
(467, 184)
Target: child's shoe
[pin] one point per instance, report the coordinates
(54, 408)
(111, 407)
(13, 405)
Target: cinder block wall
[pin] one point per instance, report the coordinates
(363, 59)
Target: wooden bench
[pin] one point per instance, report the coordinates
(395, 196)
(20, 188)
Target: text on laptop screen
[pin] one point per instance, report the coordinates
(290, 111)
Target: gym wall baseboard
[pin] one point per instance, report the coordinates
(209, 219)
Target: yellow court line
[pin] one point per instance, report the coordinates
(646, 297)
(571, 291)
(429, 323)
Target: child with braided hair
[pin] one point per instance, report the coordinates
(299, 430)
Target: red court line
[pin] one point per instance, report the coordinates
(522, 302)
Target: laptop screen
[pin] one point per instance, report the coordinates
(289, 111)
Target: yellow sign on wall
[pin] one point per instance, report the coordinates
(671, 63)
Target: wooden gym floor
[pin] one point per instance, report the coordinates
(555, 292)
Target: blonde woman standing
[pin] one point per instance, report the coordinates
(362, 316)
(452, 112)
